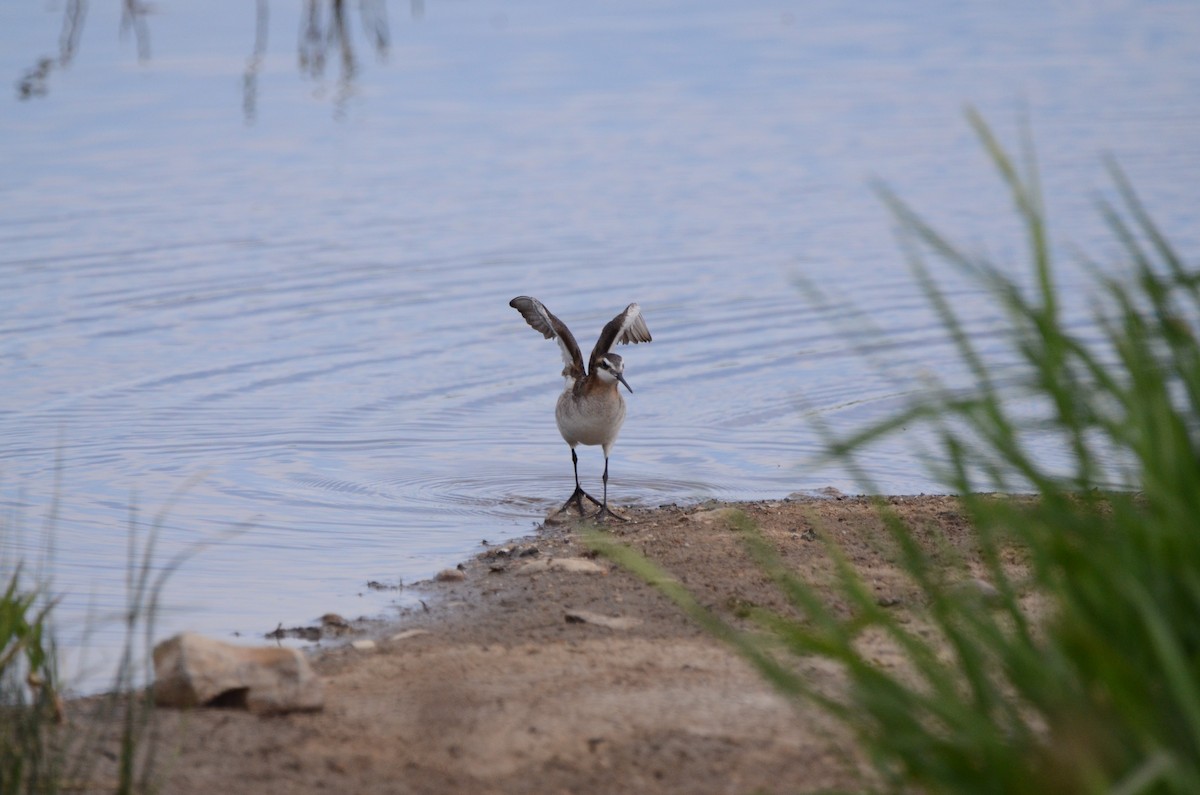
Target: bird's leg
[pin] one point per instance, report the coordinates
(604, 512)
(577, 496)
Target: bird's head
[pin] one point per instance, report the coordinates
(610, 369)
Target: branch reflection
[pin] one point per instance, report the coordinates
(254, 64)
(325, 36)
(133, 17)
(35, 81)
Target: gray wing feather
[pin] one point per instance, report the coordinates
(543, 320)
(626, 328)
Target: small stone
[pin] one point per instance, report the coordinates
(191, 670)
(715, 515)
(451, 575)
(364, 645)
(981, 589)
(300, 633)
(515, 551)
(611, 622)
(408, 633)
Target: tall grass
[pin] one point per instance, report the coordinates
(42, 749)
(28, 694)
(1082, 674)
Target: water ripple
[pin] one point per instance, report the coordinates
(306, 321)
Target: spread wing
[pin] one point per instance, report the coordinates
(627, 327)
(542, 319)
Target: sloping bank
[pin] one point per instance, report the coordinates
(546, 670)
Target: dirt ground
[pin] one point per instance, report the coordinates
(503, 692)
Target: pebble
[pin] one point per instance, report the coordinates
(715, 515)
(450, 575)
(515, 551)
(612, 622)
(981, 589)
(364, 645)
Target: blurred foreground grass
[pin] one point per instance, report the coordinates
(1081, 673)
(28, 698)
(41, 749)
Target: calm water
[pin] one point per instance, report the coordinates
(261, 278)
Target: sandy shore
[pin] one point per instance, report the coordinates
(505, 690)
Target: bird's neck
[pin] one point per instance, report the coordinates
(595, 387)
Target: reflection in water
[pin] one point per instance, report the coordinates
(254, 63)
(133, 17)
(34, 82)
(324, 34)
(321, 33)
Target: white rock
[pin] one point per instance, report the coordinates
(574, 565)
(978, 588)
(191, 670)
(714, 515)
(364, 645)
(408, 633)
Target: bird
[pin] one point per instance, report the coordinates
(590, 410)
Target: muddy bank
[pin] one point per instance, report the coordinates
(543, 670)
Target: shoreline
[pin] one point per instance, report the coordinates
(544, 669)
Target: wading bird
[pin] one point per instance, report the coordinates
(590, 410)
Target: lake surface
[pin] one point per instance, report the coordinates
(255, 273)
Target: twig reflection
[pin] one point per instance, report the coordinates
(133, 17)
(254, 64)
(324, 35)
(35, 81)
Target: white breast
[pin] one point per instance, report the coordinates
(591, 420)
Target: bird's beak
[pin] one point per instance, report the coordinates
(621, 378)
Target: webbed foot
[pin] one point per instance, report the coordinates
(576, 499)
